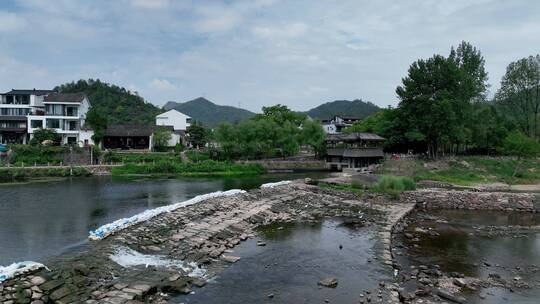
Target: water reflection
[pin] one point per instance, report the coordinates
(42, 219)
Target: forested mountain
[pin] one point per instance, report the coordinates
(355, 108)
(209, 113)
(115, 104)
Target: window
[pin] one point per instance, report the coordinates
(71, 125)
(71, 140)
(35, 124)
(71, 111)
(14, 112)
(53, 109)
(53, 123)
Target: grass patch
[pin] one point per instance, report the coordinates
(204, 168)
(394, 185)
(22, 174)
(355, 187)
(197, 156)
(138, 158)
(468, 171)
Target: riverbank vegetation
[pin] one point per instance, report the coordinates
(468, 170)
(140, 158)
(37, 154)
(394, 185)
(386, 184)
(8, 175)
(203, 168)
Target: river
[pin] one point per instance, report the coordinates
(43, 219)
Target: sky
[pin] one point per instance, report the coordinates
(254, 53)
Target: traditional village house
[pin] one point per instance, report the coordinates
(353, 150)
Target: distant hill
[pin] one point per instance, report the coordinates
(209, 113)
(118, 105)
(355, 108)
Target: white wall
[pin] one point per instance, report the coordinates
(177, 120)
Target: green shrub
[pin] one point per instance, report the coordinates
(394, 185)
(21, 174)
(40, 155)
(207, 167)
(197, 156)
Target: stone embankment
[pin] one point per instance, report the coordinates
(177, 251)
(471, 200)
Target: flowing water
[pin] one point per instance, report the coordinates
(295, 258)
(38, 220)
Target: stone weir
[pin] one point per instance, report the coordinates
(178, 251)
(472, 200)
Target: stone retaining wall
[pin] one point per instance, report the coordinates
(453, 199)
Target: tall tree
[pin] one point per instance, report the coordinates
(197, 135)
(471, 63)
(520, 94)
(428, 101)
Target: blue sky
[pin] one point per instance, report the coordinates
(253, 53)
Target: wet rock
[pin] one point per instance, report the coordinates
(459, 282)
(37, 280)
(328, 282)
(261, 243)
(230, 258)
(450, 297)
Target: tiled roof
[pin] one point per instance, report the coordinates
(354, 136)
(64, 97)
(29, 92)
(129, 130)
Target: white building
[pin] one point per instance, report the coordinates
(15, 106)
(66, 114)
(179, 121)
(337, 124)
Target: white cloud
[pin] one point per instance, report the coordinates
(162, 84)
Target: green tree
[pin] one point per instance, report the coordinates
(471, 63)
(427, 98)
(161, 138)
(312, 134)
(281, 114)
(42, 135)
(519, 94)
(520, 145)
(197, 135)
(98, 123)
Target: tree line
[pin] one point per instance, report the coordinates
(444, 107)
(276, 132)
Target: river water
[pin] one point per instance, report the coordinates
(477, 244)
(42, 219)
(296, 257)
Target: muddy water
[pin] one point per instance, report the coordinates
(39, 220)
(294, 259)
(478, 244)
